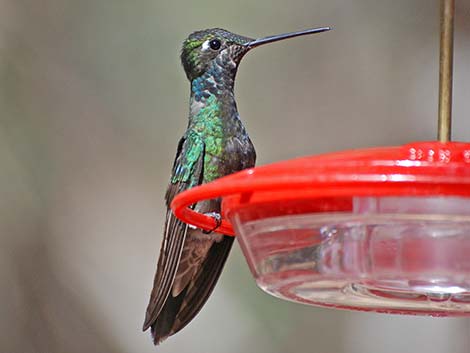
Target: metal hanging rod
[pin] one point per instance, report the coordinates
(446, 59)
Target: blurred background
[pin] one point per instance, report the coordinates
(92, 103)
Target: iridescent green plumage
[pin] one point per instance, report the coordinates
(215, 144)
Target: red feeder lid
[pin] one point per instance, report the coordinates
(415, 169)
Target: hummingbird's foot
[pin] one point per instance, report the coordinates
(218, 221)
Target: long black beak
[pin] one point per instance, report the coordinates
(270, 39)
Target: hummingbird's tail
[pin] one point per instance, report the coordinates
(162, 327)
(179, 310)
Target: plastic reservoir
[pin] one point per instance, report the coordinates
(390, 254)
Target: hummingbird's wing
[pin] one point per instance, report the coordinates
(203, 282)
(187, 172)
(190, 262)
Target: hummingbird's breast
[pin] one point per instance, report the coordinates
(228, 147)
(228, 155)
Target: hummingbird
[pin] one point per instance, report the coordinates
(215, 144)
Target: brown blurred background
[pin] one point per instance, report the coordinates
(92, 103)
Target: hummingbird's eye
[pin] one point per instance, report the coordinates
(215, 44)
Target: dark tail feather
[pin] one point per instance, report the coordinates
(204, 283)
(178, 311)
(162, 328)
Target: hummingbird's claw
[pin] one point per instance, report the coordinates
(218, 221)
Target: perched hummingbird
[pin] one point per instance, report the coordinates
(215, 144)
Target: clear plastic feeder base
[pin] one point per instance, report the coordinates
(382, 229)
(393, 255)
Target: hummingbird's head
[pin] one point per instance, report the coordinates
(204, 48)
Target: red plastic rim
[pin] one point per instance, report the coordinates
(415, 169)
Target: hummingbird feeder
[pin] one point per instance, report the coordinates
(382, 229)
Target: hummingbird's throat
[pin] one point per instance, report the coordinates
(217, 81)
